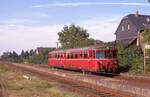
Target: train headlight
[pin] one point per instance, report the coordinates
(115, 62)
(99, 62)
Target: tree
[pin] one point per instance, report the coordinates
(31, 52)
(130, 57)
(74, 36)
(146, 35)
(99, 42)
(22, 54)
(5, 55)
(41, 58)
(11, 56)
(26, 55)
(112, 44)
(14, 54)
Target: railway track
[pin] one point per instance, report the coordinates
(82, 87)
(115, 76)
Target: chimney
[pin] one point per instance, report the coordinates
(136, 13)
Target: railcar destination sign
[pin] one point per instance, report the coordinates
(147, 46)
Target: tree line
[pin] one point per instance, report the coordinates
(13, 56)
(26, 57)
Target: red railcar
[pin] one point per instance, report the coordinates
(93, 58)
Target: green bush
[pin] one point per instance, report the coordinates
(131, 56)
(41, 58)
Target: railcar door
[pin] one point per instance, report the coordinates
(91, 59)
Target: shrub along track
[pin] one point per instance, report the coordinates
(82, 87)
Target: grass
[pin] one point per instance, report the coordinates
(18, 86)
(139, 69)
(40, 84)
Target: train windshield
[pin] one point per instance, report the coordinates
(114, 54)
(99, 54)
(106, 54)
(110, 54)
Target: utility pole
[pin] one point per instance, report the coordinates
(57, 44)
(146, 47)
(144, 61)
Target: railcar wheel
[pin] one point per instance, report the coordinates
(83, 71)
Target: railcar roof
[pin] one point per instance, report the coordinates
(83, 48)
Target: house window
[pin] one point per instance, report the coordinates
(148, 20)
(122, 28)
(128, 26)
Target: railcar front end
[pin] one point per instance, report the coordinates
(107, 60)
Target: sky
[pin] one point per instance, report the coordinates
(27, 24)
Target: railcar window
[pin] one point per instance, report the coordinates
(90, 54)
(67, 55)
(85, 55)
(64, 55)
(58, 55)
(93, 54)
(80, 55)
(76, 55)
(99, 54)
(61, 55)
(71, 55)
(55, 55)
(108, 54)
(114, 54)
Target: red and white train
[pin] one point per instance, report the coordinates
(92, 58)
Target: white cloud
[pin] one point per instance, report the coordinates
(1, 30)
(18, 21)
(36, 6)
(43, 15)
(101, 28)
(17, 37)
(91, 3)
